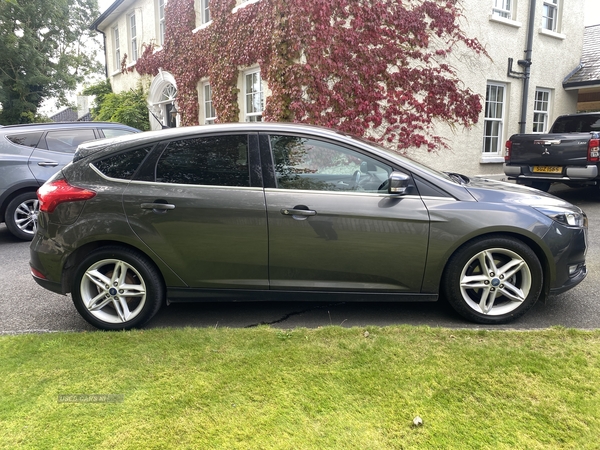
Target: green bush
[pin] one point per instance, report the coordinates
(127, 107)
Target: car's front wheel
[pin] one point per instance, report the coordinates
(493, 280)
(116, 288)
(21, 215)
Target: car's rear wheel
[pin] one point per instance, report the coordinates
(493, 280)
(117, 289)
(21, 215)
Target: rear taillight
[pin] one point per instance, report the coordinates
(56, 192)
(507, 151)
(594, 150)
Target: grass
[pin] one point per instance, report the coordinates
(329, 388)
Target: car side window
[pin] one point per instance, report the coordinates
(213, 161)
(122, 165)
(67, 140)
(114, 132)
(310, 164)
(26, 139)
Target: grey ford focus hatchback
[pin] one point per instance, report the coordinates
(285, 212)
(32, 153)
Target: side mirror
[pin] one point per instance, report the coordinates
(398, 183)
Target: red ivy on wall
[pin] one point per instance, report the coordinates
(374, 68)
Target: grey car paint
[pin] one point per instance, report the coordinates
(347, 245)
(269, 240)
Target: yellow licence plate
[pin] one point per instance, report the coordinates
(547, 169)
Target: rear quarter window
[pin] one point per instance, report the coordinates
(122, 165)
(26, 139)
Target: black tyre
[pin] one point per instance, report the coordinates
(493, 280)
(21, 215)
(115, 288)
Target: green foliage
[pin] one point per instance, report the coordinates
(44, 53)
(327, 388)
(100, 90)
(127, 107)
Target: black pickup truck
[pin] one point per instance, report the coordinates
(569, 153)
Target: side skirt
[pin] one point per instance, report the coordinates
(181, 295)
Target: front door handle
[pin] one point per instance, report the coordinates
(157, 206)
(48, 164)
(298, 212)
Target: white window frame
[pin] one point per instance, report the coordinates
(133, 38)
(541, 110)
(243, 4)
(254, 100)
(205, 11)
(502, 8)
(161, 22)
(210, 114)
(117, 48)
(550, 14)
(491, 118)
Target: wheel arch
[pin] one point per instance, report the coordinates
(14, 191)
(535, 246)
(73, 260)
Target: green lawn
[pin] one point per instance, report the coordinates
(328, 388)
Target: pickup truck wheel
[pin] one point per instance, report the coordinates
(493, 280)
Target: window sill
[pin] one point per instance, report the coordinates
(243, 5)
(202, 27)
(503, 20)
(553, 34)
(115, 73)
(491, 159)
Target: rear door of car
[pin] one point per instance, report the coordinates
(332, 224)
(55, 150)
(199, 205)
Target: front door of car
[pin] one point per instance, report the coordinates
(203, 211)
(332, 224)
(56, 149)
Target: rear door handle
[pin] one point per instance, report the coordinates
(48, 164)
(159, 206)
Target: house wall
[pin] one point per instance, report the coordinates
(146, 13)
(554, 56)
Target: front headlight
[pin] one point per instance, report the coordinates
(564, 216)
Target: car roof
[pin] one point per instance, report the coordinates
(190, 131)
(147, 137)
(52, 125)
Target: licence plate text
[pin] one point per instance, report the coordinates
(547, 169)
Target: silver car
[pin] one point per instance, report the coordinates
(32, 153)
(268, 211)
